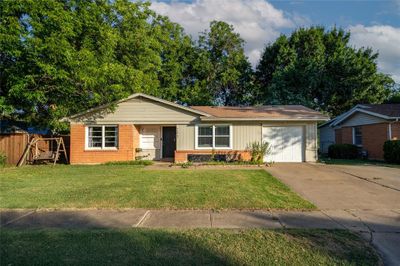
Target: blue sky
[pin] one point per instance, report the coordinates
(372, 23)
(344, 13)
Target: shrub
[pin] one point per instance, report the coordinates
(343, 151)
(391, 151)
(136, 162)
(3, 159)
(231, 163)
(258, 150)
(183, 165)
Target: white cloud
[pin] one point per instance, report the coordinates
(384, 39)
(257, 21)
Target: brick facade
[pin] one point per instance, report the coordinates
(395, 130)
(182, 156)
(128, 139)
(373, 137)
(344, 135)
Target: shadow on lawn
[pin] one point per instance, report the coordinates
(68, 238)
(103, 247)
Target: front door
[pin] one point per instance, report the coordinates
(168, 142)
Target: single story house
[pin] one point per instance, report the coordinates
(143, 126)
(366, 125)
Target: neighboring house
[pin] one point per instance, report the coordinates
(366, 125)
(11, 127)
(151, 128)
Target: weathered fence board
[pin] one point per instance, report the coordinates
(13, 146)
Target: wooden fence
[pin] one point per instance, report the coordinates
(13, 145)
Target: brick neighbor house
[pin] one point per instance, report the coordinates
(147, 127)
(366, 125)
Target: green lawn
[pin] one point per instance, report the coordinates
(187, 247)
(127, 186)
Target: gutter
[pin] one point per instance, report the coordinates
(262, 119)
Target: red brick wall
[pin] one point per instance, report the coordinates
(396, 130)
(181, 156)
(338, 136)
(373, 137)
(344, 135)
(128, 138)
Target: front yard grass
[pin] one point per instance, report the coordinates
(127, 186)
(187, 247)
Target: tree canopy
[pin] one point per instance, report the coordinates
(58, 58)
(62, 57)
(319, 69)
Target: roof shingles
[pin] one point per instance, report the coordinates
(273, 112)
(391, 110)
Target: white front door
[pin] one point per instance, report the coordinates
(150, 141)
(286, 143)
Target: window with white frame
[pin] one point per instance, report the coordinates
(102, 137)
(205, 136)
(213, 136)
(222, 136)
(357, 136)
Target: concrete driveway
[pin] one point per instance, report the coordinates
(343, 187)
(370, 194)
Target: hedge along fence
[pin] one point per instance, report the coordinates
(391, 151)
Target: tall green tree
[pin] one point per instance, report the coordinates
(61, 57)
(319, 69)
(221, 66)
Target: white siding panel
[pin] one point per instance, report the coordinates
(244, 134)
(185, 137)
(361, 119)
(142, 111)
(326, 138)
(311, 142)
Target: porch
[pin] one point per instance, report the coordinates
(156, 142)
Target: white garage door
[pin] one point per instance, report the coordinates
(286, 143)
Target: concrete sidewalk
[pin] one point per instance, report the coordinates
(365, 221)
(380, 227)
